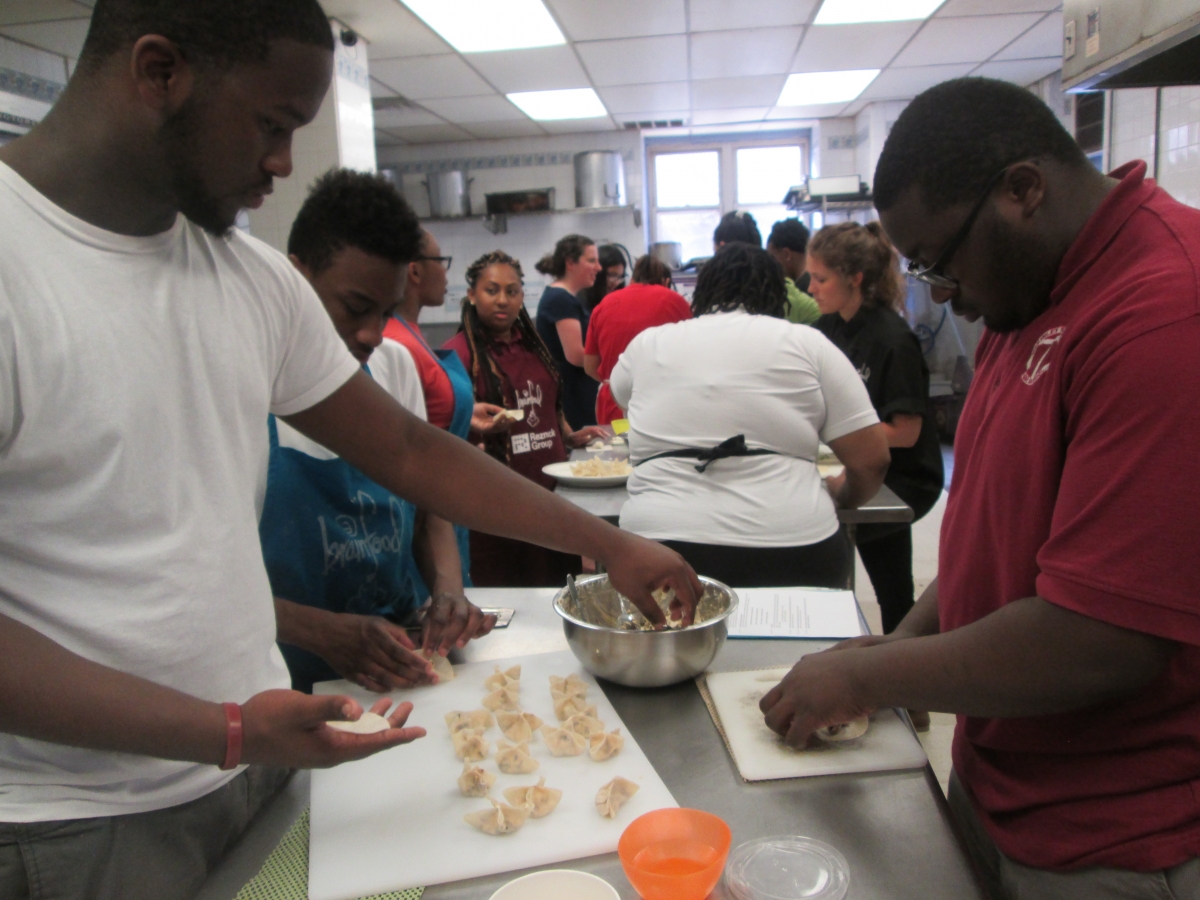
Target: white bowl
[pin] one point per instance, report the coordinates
(557, 884)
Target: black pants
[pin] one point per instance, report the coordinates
(886, 552)
(824, 564)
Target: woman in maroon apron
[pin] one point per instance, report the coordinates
(511, 367)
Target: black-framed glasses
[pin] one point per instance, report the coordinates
(444, 260)
(932, 274)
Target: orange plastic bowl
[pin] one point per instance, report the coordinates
(674, 854)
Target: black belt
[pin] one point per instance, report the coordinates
(734, 446)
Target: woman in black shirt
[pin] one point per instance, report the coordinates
(857, 283)
(562, 322)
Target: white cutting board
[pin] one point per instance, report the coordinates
(395, 820)
(761, 754)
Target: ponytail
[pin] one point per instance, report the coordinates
(849, 248)
(568, 249)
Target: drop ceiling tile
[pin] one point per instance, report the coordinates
(587, 20)
(492, 108)
(906, 83)
(571, 126)
(1020, 71)
(721, 15)
(379, 89)
(970, 39)
(751, 51)
(734, 93)
(537, 69)
(870, 45)
(430, 77)
(671, 95)
(387, 139)
(814, 111)
(404, 117)
(728, 116)
(390, 28)
(508, 129)
(1042, 40)
(64, 37)
(18, 12)
(991, 7)
(430, 134)
(636, 60)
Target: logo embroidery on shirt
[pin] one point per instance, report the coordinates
(520, 443)
(1039, 358)
(527, 400)
(864, 372)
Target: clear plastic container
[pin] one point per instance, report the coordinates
(787, 868)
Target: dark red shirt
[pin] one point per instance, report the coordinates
(1075, 480)
(536, 440)
(618, 319)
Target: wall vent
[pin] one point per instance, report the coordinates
(649, 125)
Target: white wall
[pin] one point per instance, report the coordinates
(518, 164)
(30, 81)
(871, 128)
(1176, 146)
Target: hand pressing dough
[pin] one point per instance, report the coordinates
(441, 666)
(518, 726)
(506, 698)
(503, 679)
(470, 746)
(562, 742)
(499, 820)
(368, 723)
(474, 781)
(611, 797)
(540, 799)
(475, 720)
(847, 732)
(583, 724)
(514, 760)
(604, 746)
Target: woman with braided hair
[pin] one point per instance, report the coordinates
(511, 367)
(726, 412)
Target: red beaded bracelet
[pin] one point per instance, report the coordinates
(233, 735)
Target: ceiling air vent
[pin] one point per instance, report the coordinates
(658, 123)
(396, 102)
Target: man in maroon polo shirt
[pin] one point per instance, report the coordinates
(1064, 627)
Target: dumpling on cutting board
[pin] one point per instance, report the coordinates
(474, 781)
(500, 679)
(470, 746)
(572, 685)
(514, 760)
(562, 742)
(506, 698)
(567, 705)
(611, 797)
(475, 720)
(605, 746)
(518, 726)
(540, 799)
(583, 724)
(367, 723)
(846, 732)
(441, 666)
(500, 819)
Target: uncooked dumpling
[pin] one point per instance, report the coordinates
(441, 666)
(368, 723)
(474, 781)
(847, 732)
(518, 726)
(500, 819)
(503, 698)
(613, 795)
(567, 705)
(572, 685)
(582, 723)
(602, 746)
(503, 679)
(514, 760)
(562, 742)
(540, 799)
(475, 720)
(470, 746)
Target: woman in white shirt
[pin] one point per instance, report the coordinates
(726, 412)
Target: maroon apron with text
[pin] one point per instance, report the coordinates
(536, 440)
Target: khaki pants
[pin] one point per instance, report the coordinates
(161, 855)
(1005, 879)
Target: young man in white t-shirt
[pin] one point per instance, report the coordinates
(141, 352)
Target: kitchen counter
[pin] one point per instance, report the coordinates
(893, 828)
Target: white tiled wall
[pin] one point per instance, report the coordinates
(38, 63)
(1131, 134)
(1179, 137)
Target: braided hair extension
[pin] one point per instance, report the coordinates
(741, 276)
(849, 248)
(486, 376)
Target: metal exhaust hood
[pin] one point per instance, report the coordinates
(1130, 43)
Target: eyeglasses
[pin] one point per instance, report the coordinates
(932, 274)
(444, 260)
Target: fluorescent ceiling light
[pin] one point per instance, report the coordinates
(811, 88)
(547, 106)
(845, 12)
(479, 26)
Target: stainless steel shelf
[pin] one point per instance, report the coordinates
(498, 223)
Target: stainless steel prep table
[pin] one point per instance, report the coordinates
(894, 828)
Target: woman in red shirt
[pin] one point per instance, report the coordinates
(623, 315)
(511, 367)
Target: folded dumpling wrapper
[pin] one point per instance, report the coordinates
(518, 726)
(500, 819)
(368, 723)
(474, 781)
(604, 746)
(513, 415)
(562, 742)
(846, 732)
(567, 705)
(441, 666)
(540, 799)
(475, 720)
(582, 723)
(514, 760)
(506, 698)
(500, 679)
(469, 745)
(572, 685)
(611, 797)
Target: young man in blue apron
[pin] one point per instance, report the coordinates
(348, 560)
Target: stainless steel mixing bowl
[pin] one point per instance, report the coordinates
(642, 658)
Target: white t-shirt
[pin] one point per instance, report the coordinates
(693, 385)
(136, 376)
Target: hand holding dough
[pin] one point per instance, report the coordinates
(441, 666)
(846, 732)
(611, 797)
(368, 723)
